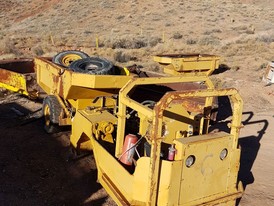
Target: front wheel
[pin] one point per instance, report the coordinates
(51, 111)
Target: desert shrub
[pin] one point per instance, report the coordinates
(9, 46)
(120, 17)
(37, 50)
(156, 18)
(129, 42)
(106, 4)
(218, 83)
(262, 66)
(250, 31)
(240, 28)
(177, 35)
(87, 32)
(209, 40)
(244, 29)
(152, 66)
(191, 41)
(121, 56)
(242, 39)
(267, 38)
(208, 32)
(153, 41)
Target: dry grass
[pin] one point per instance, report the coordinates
(123, 56)
(218, 83)
(177, 35)
(9, 46)
(131, 42)
(225, 28)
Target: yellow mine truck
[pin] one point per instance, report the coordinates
(149, 132)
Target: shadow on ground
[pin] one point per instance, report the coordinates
(35, 166)
(250, 145)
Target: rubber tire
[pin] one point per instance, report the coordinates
(51, 111)
(73, 54)
(93, 65)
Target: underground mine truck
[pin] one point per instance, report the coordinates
(148, 132)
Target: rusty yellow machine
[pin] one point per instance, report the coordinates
(149, 132)
(159, 152)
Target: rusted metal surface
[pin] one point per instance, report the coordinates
(157, 115)
(168, 118)
(169, 97)
(18, 75)
(156, 133)
(124, 100)
(8, 77)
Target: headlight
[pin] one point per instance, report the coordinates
(190, 160)
(223, 154)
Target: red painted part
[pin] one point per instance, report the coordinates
(128, 149)
(171, 153)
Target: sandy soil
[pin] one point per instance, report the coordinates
(36, 168)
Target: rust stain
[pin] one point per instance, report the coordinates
(61, 88)
(193, 105)
(11, 78)
(19, 74)
(5, 76)
(55, 80)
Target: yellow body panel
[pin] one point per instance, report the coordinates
(169, 183)
(101, 123)
(212, 173)
(19, 89)
(156, 181)
(72, 85)
(77, 90)
(201, 64)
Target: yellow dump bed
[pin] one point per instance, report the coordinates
(183, 64)
(57, 80)
(18, 75)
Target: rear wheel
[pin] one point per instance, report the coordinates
(93, 65)
(65, 58)
(51, 111)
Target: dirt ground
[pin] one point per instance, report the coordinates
(37, 169)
